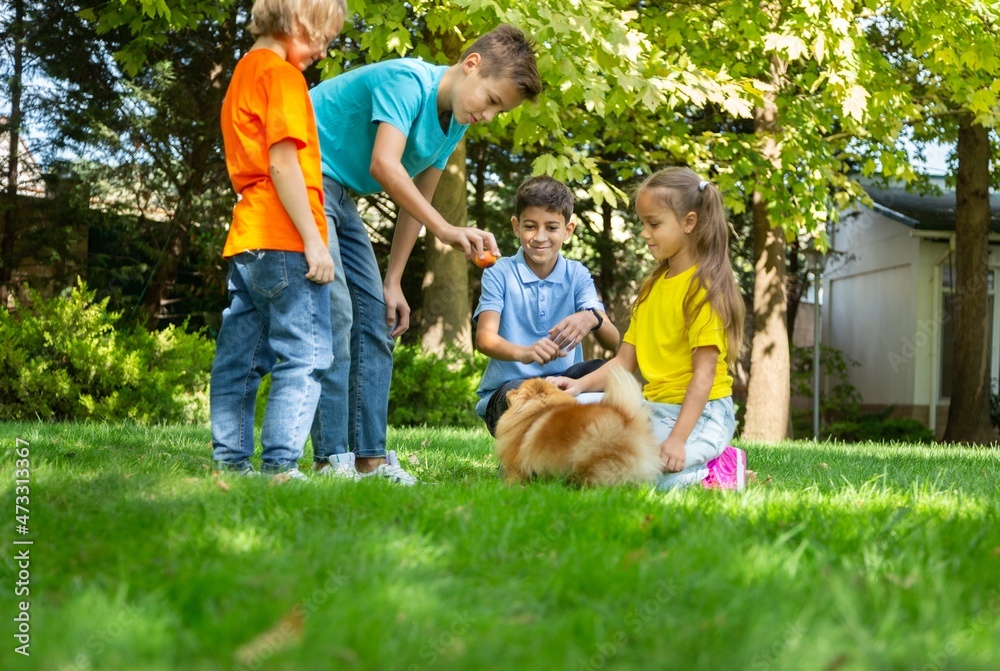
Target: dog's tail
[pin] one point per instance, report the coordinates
(623, 392)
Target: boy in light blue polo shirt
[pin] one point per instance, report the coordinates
(537, 306)
(391, 127)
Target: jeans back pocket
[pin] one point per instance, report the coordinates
(267, 271)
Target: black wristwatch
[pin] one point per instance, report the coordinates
(600, 319)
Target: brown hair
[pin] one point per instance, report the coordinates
(682, 191)
(545, 192)
(506, 53)
(313, 19)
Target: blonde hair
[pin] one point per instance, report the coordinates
(312, 19)
(681, 190)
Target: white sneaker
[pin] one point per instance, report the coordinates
(392, 471)
(340, 467)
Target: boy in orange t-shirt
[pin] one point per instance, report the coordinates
(278, 319)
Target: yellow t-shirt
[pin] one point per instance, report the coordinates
(664, 347)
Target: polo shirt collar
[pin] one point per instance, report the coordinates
(558, 273)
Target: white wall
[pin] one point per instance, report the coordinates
(872, 306)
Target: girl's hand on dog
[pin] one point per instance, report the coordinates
(673, 454)
(568, 385)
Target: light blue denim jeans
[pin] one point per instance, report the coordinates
(278, 322)
(711, 434)
(354, 403)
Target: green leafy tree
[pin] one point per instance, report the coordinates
(140, 88)
(608, 86)
(951, 53)
(13, 42)
(826, 101)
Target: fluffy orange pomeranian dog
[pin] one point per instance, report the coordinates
(545, 432)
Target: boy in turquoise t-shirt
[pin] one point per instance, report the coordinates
(391, 126)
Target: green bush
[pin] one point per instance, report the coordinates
(843, 400)
(64, 359)
(434, 391)
(840, 409)
(897, 430)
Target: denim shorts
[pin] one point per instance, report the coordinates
(711, 434)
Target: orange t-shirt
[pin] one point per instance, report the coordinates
(268, 101)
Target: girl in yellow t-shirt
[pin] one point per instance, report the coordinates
(687, 324)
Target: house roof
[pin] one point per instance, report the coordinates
(925, 212)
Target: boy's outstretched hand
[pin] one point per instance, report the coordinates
(471, 241)
(320, 263)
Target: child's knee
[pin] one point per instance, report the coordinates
(713, 432)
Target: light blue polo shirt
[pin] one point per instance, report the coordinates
(401, 92)
(528, 308)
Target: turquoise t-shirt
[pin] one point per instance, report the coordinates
(401, 92)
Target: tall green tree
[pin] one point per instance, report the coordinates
(13, 37)
(608, 84)
(827, 101)
(952, 54)
(140, 88)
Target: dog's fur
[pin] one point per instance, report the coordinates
(545, 432)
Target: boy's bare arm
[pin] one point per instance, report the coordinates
(387, 169)
(403, 239)
(490, 343)
(286, 173)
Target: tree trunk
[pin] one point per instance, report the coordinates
(769, 389)
(446, 306)
(797, 284)
(615, 304)
(479, 199)
(164, 276)
(8, 235)
(969, 412)
(184, 217)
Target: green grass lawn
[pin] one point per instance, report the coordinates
(837, 557)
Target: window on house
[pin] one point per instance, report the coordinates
(948, 332)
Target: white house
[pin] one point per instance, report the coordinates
(888, 300)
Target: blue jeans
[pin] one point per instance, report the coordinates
(278, 322)
(711, 434)
(354, 404)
